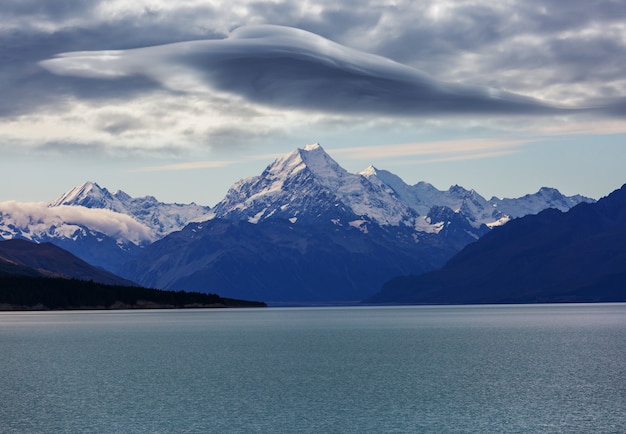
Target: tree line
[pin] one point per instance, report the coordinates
(23, 292)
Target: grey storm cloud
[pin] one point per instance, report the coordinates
(292, 68)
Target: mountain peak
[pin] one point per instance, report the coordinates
(458, 190)
(370, 171)
(312, 158)
(89, 194)
(550, 193)
(546, 197)
(122, 195)
(320, 163)
(307, 185)
(162, 218)
(312, 147)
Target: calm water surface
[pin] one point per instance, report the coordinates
(543, 368)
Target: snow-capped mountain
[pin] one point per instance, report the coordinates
(99, 236)
(551, 257)
(535, 203)
(306, 230)
(307, 185)
(105, 229)
(38, 222)
(161, 218)
(422, 197)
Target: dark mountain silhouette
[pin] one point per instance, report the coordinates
(52, 261)
(10, 268)
(278, 261)
(577, 256)
(43, 276)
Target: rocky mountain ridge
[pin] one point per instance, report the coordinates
(307, 231)
(393, 228)
(553, 256)
(102, 228)
(308, 186)
(161, 218)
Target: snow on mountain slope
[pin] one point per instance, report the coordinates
(89, 195)
(304, 187)
(308, 185)
(101, 228)
(90, 210)
(537, 202)
(162, 218)
(38, 222)
(422, 197)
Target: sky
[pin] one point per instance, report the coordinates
(179, 100)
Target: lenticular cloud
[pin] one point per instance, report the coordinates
(291, 68)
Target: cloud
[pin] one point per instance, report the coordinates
(181, 78)
(551, 50)
(194, 165)
(38, 217)
(597, 127)
(291, 68)
(157, 124)
(449, 150)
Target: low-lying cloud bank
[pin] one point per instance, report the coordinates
(291, 68)
(38, 216)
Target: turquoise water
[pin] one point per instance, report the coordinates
(545, 368)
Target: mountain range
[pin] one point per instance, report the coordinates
(307, 185)
(303, 231)
(161, 218)
(576, 256)
(105, 229)
(306, 230)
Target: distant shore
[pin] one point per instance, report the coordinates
(24, 293)
(141, 305)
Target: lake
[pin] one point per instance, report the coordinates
(465, 369)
